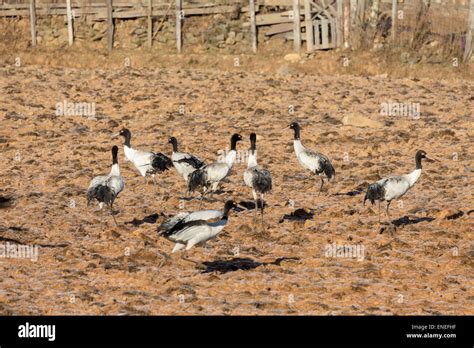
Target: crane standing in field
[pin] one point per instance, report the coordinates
(184, 163)
(256, 177)
(190, 229)
(315, 162)
(209, 176)
(147, 163)
(394, 187)
(106, 188)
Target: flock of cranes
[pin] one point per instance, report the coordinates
(189, 229)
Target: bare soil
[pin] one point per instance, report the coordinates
(87, 265)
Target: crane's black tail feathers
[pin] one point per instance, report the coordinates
(262, 181)
(102, 193)
(192, 161)
(161, 162)
(375, 192)
(196, 179)
(329, 170)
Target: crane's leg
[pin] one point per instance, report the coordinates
(199, 265)
(184, 256)
(214, 188)
(379, 212)
(321, 187)
(154, 179)
(254, 194)
(112, 213)
(388, 215)
(202, 197)
(263, 205)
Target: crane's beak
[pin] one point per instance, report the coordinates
(115, 136)
(431, 160)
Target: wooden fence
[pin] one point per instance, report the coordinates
(326, 23)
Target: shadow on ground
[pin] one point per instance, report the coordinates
(245, 264)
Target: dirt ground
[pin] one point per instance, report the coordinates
(87, 265)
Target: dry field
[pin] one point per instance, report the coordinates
(87, 265)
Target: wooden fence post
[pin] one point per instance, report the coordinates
(470, 32)
(309, 26)
(110, 26)
(150, 23)
(33, 22)
(296, 26)
(70, 28)
(374, 12)
(253, 25)
(347, 23)
(394, 19)
(339, 23)
(360, 11)
(179, 15)
(353, 4)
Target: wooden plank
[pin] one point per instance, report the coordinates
(347, 23)
(273, 18)
(179, 15)
(117, 4)
(324, 34)
(394, 19)
(360, 11)
(110, 26)
(339, 23)
(308, 26)
(70, 28)
(317, 6)
(470, 33)
(150, 23)
(296, 26)
(119, 12)
(353, 13)
(253, 25)
(142, 12)
(281, 28)
(33, 22)
(333, 33)
(317, 34)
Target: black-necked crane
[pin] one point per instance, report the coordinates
(394, 187)
(209, 176)
(184, 163)
(106, 188)
(256, 177)
(147, 163)
(190, 229)
(315, 162)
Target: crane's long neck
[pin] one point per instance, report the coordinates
(175, 145)
(298, 146)
(115, 170)
(126, 143)
(252, 160)
(232, 154)
(218, 226)
(230, 158)
(413, 177)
